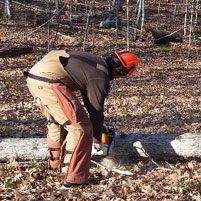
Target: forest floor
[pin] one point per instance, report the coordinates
(163, 96)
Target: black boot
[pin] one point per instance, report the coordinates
(68, 185)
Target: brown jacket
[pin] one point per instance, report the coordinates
(81, 71)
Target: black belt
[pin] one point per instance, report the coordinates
(36, 77)
(44, 79)
(55, 122)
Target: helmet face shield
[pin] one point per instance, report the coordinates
(132, 70)
(128, 60)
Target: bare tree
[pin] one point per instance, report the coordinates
(185, 17)
(142, 21)
(128, 24)
(196, 11)
(48, 28)
(175, 9)
(86, 32)
(115, 4)
(139, 12)
(69, 11)
(57, 5)
(116, 33)
(89, 14)
(159, 6)
(8, 13)
(190, 32)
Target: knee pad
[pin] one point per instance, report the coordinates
(54, 154)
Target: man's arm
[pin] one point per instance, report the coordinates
(95, 116)
(93, 99)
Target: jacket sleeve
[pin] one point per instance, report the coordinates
(93, 99)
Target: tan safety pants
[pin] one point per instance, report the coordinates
(70, 131)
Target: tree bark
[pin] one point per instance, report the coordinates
(155, 146)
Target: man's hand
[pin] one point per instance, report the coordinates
(99, 149)
(105, 147)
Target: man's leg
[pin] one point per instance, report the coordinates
(45, 98)
(78, 141)
(79, 138)
(78, 154)
(55, 137)
(60, 104)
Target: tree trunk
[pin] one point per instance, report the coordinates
(57, 5)
(175, 9)
(115, 4)
(190, 31)
(142, 21)
(158, 146)
(196, 12)
(128, 25)
(185, 17)
(138, 11)
(8, 9)
(159, 7)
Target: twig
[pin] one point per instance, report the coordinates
(42, 24)
(146, 154)
(159, 167)
(31, 7)
(128, 173)
(171, 166)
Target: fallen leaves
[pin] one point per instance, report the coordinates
(27, 182)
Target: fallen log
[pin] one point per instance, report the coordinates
(23, 149)
(160, 146)
(157, 146)
(15, 51)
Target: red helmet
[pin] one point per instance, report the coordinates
(128, 60)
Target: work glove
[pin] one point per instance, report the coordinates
(99, 149)
(107, 143)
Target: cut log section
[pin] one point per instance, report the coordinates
(160, 146)
(157, 146)
(15, 51)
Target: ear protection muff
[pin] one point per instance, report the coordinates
(115, 61)
(122, 71)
